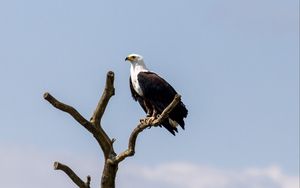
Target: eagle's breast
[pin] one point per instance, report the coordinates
(136, 85)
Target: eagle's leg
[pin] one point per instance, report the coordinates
(155, 114)
(148, 108)
(152, 116)
(148, 114)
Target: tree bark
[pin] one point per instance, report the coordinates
(109, 174)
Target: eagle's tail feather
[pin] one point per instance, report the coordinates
(172, 129)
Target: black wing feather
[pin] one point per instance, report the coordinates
(140, 99)
(160, 93)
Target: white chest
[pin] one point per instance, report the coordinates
(135, 84)
(134, 71)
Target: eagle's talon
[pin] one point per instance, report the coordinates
(150, 120)
(143, 120)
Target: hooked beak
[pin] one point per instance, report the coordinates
(126, 59)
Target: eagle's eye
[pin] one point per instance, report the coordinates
(133, 57)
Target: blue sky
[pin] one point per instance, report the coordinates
(235, 63)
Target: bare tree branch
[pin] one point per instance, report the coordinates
(143, 125)
(102, 138)
(108, 92)
(72, 111)
(92, 126)
(72, 175)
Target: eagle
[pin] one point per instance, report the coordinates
(154, 94)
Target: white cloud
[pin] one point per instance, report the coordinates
(198, 176)
(30, 168)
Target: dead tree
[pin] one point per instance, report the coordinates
(111, 159)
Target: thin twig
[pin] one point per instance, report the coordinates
(72, 175)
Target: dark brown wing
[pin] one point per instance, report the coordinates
(160, 93)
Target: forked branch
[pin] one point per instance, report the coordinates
(93, 126)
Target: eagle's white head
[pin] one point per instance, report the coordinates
(137, 62)
(134, 58)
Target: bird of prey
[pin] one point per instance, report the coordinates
(154, 94)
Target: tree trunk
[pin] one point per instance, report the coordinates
(109, 174)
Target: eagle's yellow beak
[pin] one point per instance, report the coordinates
(129, 58)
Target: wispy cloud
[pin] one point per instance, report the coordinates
(27, 167)
(199, 176)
